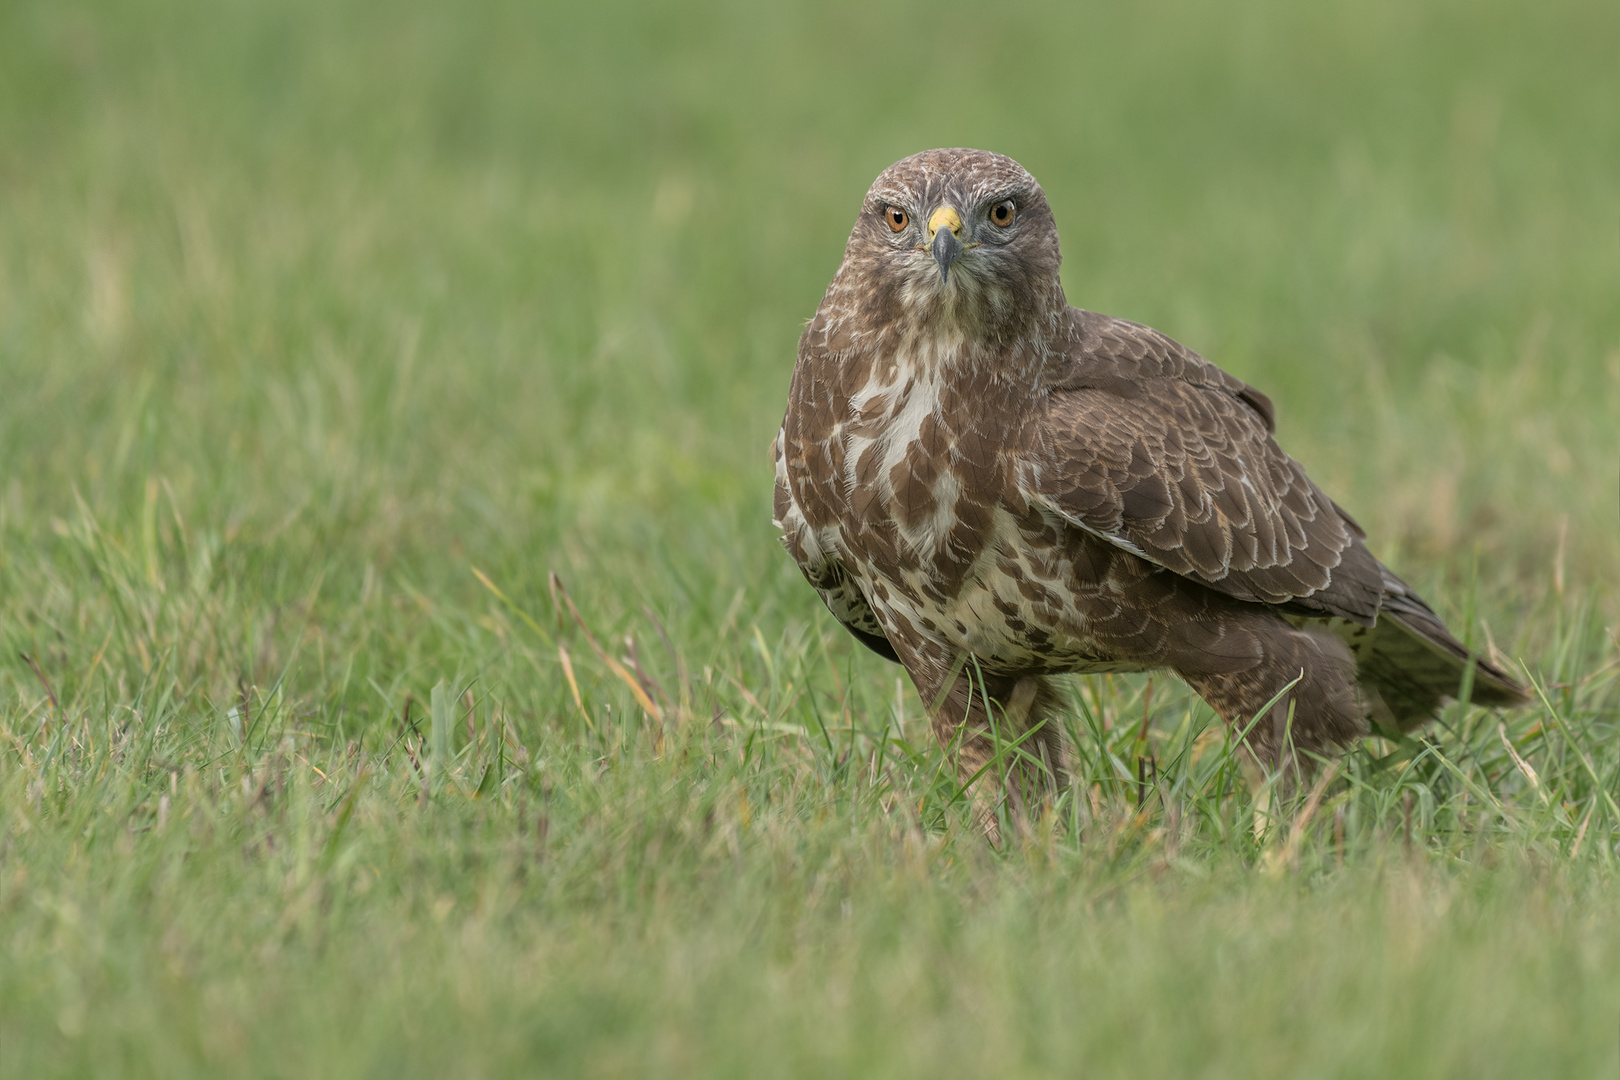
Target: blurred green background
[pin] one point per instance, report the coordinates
(309, 309)
(506, 276)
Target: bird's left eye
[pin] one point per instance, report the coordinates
(1002, 213)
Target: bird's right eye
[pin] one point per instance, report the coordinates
(897, 218)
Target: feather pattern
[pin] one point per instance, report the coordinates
(1150, 446)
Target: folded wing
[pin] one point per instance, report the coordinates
(1151, 447)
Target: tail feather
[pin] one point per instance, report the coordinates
(1409, 664)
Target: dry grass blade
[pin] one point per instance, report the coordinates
(1525, 768)
(746, 693)
(1580, 833)
(648, 683)
(682, 685)
(560, 593)
(95, 662)
(511, 606)
(56, 708)
(1289, 855)
(567, 663)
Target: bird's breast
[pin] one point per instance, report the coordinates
(1024, 600)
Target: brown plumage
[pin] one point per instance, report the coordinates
(992, 487)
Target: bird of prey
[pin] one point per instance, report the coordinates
(992, 488)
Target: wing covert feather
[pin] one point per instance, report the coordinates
(1150, 446)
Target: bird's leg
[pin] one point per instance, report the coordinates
(1002, 734)
(1292, 700)
(1266, 753)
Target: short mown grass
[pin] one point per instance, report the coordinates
(398, 671)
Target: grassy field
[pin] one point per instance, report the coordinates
(329, 332)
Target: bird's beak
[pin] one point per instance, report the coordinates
(943, 228)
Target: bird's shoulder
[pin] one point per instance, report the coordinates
(1145, 443)
(1130, 361)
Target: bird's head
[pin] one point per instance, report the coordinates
(963, 237)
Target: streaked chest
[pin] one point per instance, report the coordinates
(916, 457)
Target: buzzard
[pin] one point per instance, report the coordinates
(991, 488)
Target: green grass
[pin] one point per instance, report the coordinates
(310, 314)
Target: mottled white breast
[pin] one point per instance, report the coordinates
(887, 414)
(992, 618)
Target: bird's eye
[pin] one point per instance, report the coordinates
(1002, 213)
(897, 218)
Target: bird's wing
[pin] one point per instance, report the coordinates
(823, 570)
(1148, 445)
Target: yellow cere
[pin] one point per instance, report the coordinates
(944, 217)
